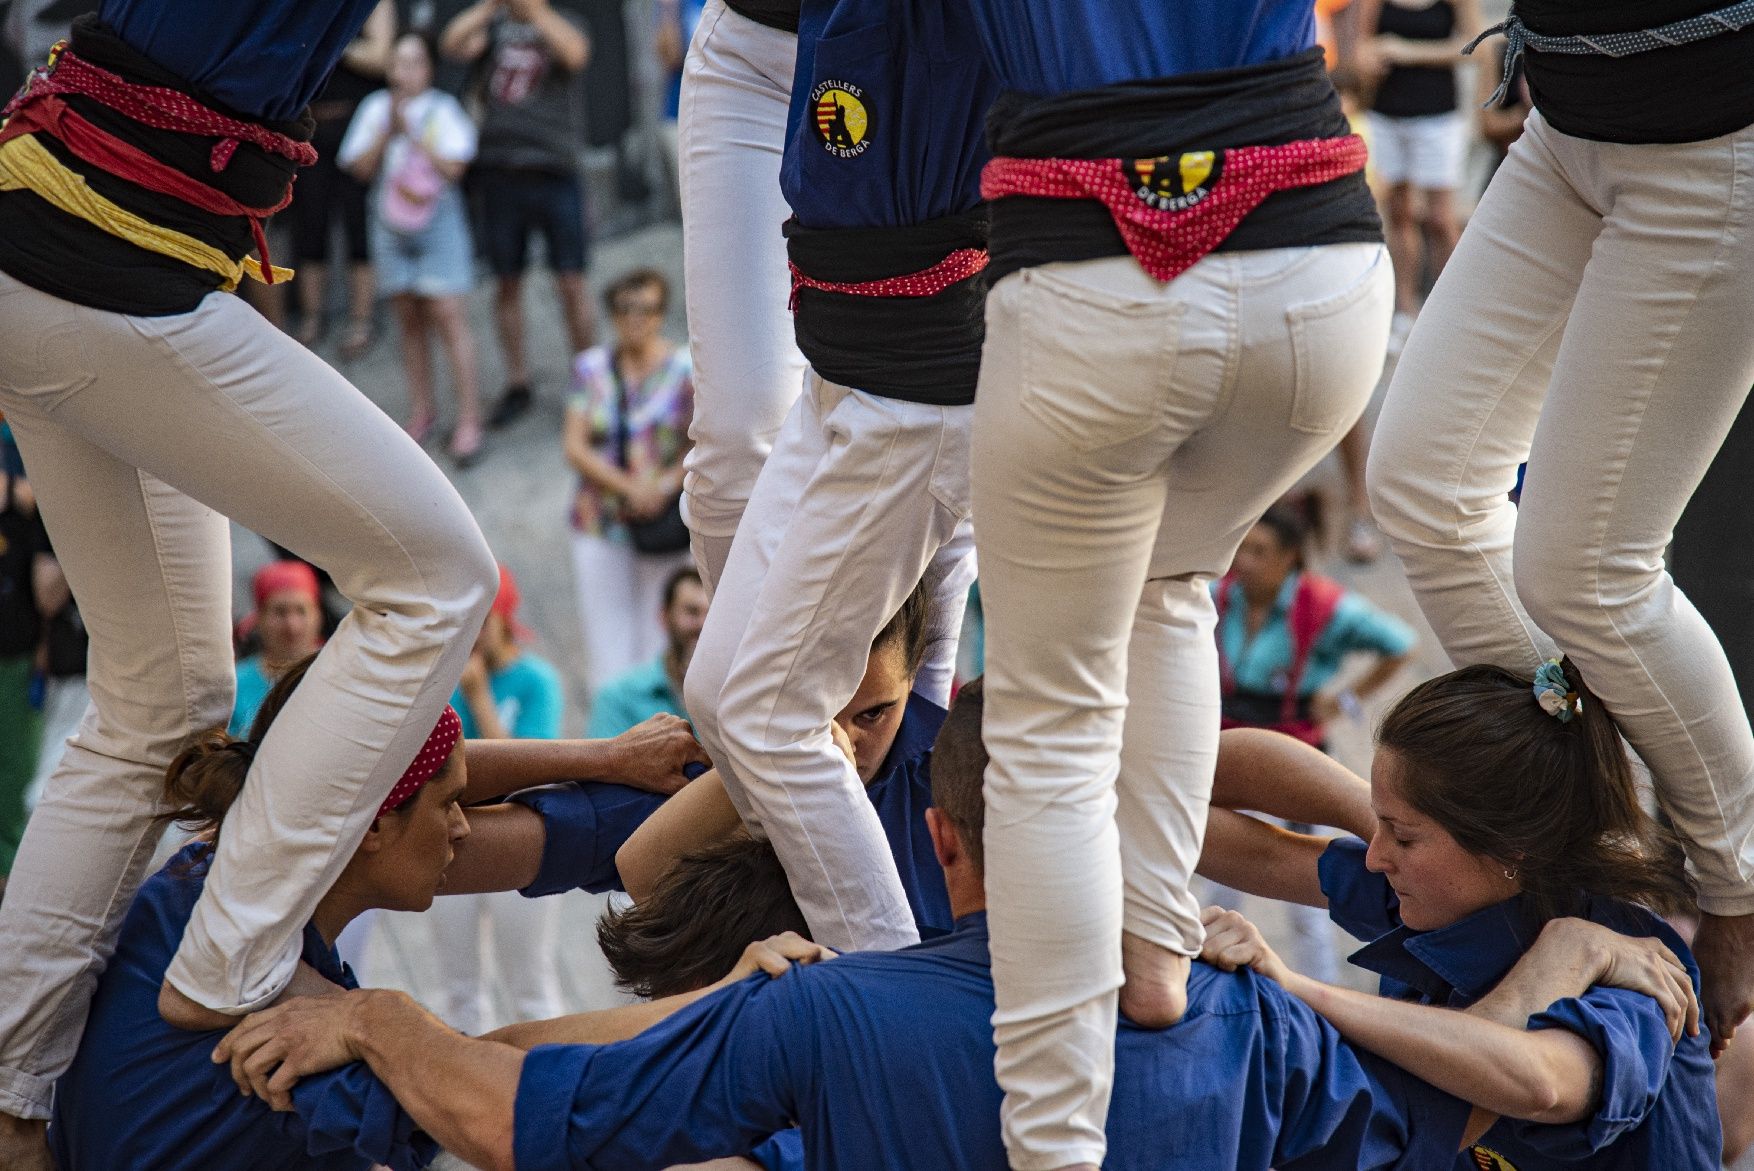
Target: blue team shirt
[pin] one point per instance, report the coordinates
(587, 822)
(1659, 1101)
(266, 58)
(1055, 47)
(887, 121)
(885, 1060)
(1262, 664)
(142, 1094)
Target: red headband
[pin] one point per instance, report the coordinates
(428, 761)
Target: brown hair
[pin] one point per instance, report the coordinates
(959, 768)
(1296, 523)
(693, 927)
(206, 777)
(1555, 800)
(639, 278)
(908, 629)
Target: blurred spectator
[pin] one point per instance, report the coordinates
(287, 624)
(25, 568)
(626, 434)
(677, 20)
(1283, 633)
(1284, 630)
(1501, 122)
(527, 171)
(1418, 137)
(506, 692)
(412, 143)
(326, 193)
(643, 692)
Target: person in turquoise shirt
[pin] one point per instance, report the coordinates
(1283, 632)
(288, 621)
(641, 693)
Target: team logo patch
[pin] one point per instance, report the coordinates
(1488, 1159)
(843, 121)
(1175, 182)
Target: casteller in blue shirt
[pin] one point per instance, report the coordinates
(885, 1059)
(142, 1094)
(587, 822)
(1658, 1103)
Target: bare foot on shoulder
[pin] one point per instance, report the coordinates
(1155, 994)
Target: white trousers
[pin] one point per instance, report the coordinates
(518, 937)
(1594, 321)
(1127, 434)
(736, 86)
(621, 596)
(142, 435)
(862, 497)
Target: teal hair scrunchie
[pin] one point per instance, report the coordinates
(1553, 692)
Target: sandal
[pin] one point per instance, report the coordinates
(311, 330)
(466, 453)
(358, 340)
(419, 428)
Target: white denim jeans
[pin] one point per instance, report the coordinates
(1127, 434)
(736, 87)
(142, 434)
(1595, 322)
(862, 497)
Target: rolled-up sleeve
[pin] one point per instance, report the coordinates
(349, 1109)
(1362, 903)
(711, 1081)
(585, 823)
(1628, 1030)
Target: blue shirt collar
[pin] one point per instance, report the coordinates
(1464, 959)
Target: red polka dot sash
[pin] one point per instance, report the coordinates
(958, 266)
(1172, 211)
(428, 761)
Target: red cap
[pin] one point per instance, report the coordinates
(279, 577)
(428, 761)
(505, 604)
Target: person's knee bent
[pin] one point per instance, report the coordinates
(1401, 495)
(1560, 584)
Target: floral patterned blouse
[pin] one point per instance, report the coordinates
(659, 409)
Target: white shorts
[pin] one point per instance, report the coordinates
(1426, 151)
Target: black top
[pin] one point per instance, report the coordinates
(917, 349)
(1256, 105)
(1417, 91)
(780, 14)
(69, 258)
(21, 539)
(1687, 93)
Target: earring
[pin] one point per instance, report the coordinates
(1511, 873)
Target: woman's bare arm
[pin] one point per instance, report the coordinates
(698, 816)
